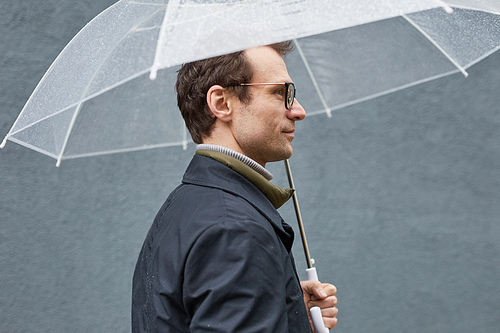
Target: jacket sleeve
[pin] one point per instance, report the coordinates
(234, 280)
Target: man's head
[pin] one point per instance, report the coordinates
(218, 110)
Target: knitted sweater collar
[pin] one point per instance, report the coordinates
(245, 159)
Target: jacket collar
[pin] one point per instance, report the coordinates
(217, 170)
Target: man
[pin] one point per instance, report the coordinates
(218, 256)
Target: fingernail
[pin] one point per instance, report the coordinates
(322, 293)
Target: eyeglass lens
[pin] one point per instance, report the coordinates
(290, 95)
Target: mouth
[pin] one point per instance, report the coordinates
(289, 132)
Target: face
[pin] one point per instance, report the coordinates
(263, 128)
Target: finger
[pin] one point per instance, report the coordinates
(329, 312)
(330, 322)
(330, 317)
(328, 302)
(330, 289)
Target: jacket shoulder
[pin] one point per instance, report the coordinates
(205, 206)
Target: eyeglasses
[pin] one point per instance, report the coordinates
(289, 91)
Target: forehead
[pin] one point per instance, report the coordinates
(267, 65)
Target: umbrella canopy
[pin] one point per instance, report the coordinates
(97, 97)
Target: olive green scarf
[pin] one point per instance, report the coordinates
(275, 194)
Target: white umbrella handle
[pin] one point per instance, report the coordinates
(316, 316)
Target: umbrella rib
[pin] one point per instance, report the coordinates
(156, 62)
(78, 103)
(482, 57)
(382, 93)
(157, 65)
(426, 35)
(27, 145)
(88, 97)
(146, 3)
(68, 132)
(77, 111)
(124, 150)
(313, 78)
(7, 137)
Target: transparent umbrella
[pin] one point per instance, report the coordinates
(98, 96)
(111, 89)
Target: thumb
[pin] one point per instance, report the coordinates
(315, 289)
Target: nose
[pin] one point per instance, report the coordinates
(297, 112)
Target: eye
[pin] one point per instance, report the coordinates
(280, 91)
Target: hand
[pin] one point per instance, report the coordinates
(322, 295)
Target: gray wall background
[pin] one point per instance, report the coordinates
(400, 196)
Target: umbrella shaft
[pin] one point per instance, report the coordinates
(299, 216)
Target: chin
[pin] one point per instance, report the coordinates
(283, 155)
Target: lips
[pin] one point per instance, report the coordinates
(289, 132)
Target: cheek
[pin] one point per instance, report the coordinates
(267, 128)
(260, 121)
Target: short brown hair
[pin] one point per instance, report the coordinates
(194, 79)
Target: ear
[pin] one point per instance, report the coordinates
(219, 101)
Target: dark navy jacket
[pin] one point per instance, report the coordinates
(217, 259)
